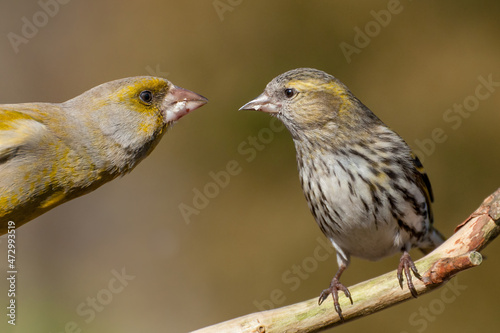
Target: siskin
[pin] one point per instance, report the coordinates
(366, 189)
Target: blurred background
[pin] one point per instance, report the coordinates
(168, 248)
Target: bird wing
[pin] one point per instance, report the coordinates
(425, 184)
(17, 129)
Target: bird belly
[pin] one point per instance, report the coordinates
(354, 214)
(358, 232)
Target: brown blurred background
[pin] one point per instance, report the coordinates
(255, 236)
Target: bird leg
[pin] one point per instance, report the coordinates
(334, 288)
(405, 264)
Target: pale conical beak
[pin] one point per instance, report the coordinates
(180, 101)
(261, 103)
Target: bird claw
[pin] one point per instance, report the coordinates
(334, 288)
(407, 266)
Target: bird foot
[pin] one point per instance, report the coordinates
(405, 265)
(334, 288)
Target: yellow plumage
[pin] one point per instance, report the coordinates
(53, 152)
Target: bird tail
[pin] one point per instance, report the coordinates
(435, 239)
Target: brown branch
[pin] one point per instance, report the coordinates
(459, 252)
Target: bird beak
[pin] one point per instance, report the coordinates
(262, 103)
(180, 101)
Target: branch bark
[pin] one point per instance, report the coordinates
(458, 253)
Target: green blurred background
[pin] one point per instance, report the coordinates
(246, 242)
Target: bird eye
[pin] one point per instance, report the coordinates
(146, 96)
(289, 92)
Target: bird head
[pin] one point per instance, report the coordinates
(309, 102)
(128, 117)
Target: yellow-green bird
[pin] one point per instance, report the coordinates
(51, 153)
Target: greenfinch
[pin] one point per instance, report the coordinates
(51, 153)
